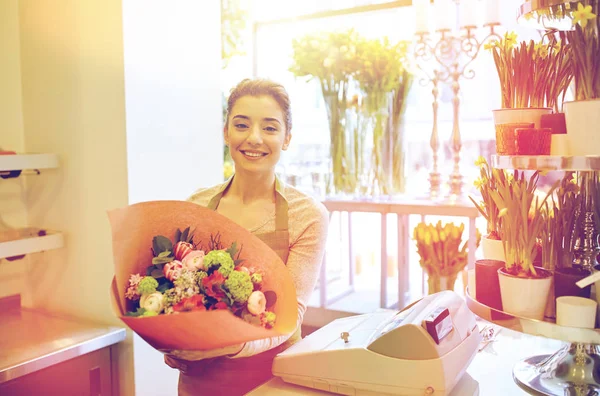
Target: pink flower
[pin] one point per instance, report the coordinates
(182, 249)
(135, 279)
(241, 268)
(132, 293)
(194, 260)
(172, 270)
(257, 303)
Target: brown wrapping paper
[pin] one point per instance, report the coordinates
(133, 228)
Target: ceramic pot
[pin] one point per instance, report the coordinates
(487, 289)
(565, 279)
(525, 297)
(493, 249)
(583, 126)
(533, 141)
(528, 115)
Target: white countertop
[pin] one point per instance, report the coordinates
(491, 368)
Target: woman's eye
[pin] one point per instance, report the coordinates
(241, 126)
(271, 129)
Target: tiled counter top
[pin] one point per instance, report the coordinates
(31, 340)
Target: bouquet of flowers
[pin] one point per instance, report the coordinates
(183, 278)
(196, 290)
(443, 254)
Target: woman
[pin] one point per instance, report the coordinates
(257, 130)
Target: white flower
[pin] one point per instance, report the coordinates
(257, 303)
(152, 302)
(194, 260)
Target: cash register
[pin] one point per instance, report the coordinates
(424, 349)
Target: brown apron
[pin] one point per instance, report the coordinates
(223, 376)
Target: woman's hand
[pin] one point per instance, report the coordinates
(175, 358)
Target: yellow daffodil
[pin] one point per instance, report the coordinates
(544, 173)
(502, 212)
(490, 45)
(480, 161)
(479, 183)
(510, 39)
(583, 14)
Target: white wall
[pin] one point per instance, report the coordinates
(174, 140)
(13, 211)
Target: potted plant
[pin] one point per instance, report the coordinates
(443, 253)
(522, 90)
(583, 114)
(524, 288)
(557, 243)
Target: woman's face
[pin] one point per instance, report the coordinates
(256, 133)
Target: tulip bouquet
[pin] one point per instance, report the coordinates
(211, 288)
(182, 278)
(442, 251)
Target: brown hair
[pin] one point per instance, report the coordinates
(259, 87)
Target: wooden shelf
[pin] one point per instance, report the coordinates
(547, 162)
(28, 240)
(28, 161)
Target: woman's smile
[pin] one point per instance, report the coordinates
(253, 155)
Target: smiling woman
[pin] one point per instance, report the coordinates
(294, 225)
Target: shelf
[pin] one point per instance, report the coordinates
(28, 240)
(546, 14)
(547, 162)
(28, 161)
(531, 326)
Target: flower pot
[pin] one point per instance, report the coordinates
(565, 279)
(583, 121)
(533, 141)
(525, 297)
(487, 285)
(506, 137)
(493, 249)
(529, 115)
(554, 121)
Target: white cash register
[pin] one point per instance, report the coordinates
(422, 350)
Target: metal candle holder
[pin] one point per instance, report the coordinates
(453, 55)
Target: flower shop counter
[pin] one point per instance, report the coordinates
(42, 350)
(490, 373)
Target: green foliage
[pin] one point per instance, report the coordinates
(233, 23)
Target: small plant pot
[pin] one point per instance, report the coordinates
(493, 249)
(487, 284)
(565, 279)
(556, 122)
(527, 115)
(532, 141)
(582, 119)
(506, 142)
(525, 297)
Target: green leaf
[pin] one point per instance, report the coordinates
(163, 287)
(166, 253)
(140, 311)
(162, 260)
(149, 270)
(232, 250)
(271, 298)
(161, 244)
(238, 262)
(157, 274)
(178, 235)
(184, 236)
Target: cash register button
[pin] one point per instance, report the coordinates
(321, 385)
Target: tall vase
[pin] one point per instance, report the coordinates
(376, 104)
(438, 283)
(336, 103)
